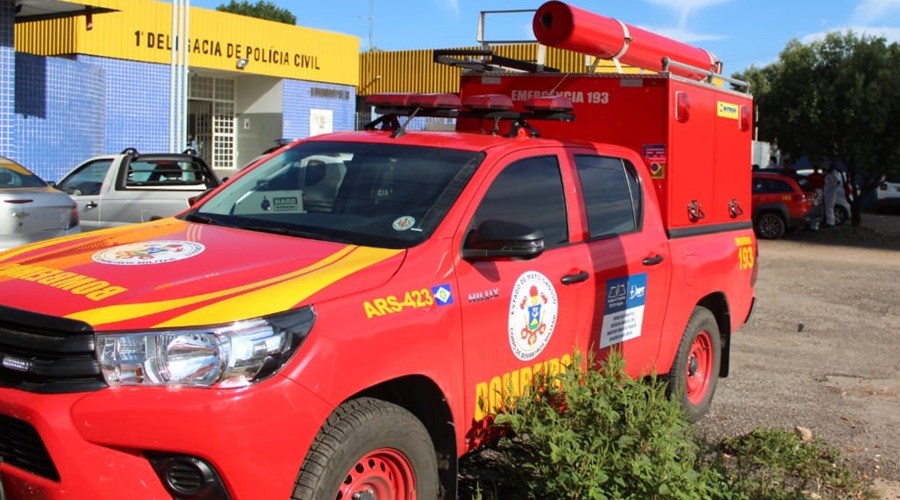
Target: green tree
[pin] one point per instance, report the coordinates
(834, 99)
(261, 10)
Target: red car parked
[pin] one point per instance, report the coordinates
(780, 204)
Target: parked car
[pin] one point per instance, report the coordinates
(780, 204)
(887, 196)
(132, 187)
(841, 201)
(30, 209)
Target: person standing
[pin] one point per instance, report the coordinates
(829, 194)
(817, 180)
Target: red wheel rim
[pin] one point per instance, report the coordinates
(380, 474)
(699, 368)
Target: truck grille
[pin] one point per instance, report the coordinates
(46, 354)
(21, 446)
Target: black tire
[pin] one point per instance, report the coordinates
(840, 215)
(770, 226)
(367, 444)
(695, 371)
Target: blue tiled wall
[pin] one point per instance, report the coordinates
(60, 113)
(298, 102)
(137, 104)
(7, 78)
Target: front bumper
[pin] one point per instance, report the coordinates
(255, 438)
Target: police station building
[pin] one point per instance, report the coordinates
(80, 78)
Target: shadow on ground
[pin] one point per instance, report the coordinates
(874, 232)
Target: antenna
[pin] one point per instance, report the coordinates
(371, 21)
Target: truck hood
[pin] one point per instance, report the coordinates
(171, 274)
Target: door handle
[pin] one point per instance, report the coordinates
(575, 278)
(91, 204)
(652, 261)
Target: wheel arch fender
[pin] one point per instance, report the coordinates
(422, 397)
(717, 303)
(778, 208)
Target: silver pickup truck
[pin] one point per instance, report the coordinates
(131, 187)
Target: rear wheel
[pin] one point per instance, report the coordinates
(369, 449)
(695, 372)
(770, 226)
(840, 215)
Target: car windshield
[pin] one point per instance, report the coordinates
(13, 175)
(382, 195)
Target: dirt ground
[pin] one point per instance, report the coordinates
(822, 349)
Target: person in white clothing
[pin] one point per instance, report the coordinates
(829, 194)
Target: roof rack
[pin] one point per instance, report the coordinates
(484, 60)
(494, 107)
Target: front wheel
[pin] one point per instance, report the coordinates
(369, 449)
(695, 371)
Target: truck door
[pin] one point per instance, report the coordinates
(522, 316)
(85, 185)
(630, 259)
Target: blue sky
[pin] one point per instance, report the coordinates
(739, 32)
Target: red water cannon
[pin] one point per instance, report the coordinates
(557, 24)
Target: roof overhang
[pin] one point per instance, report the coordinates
(34, 10)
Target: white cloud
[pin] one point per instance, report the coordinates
(451, 5)
(683, 35)
(891, 34)
(685, 7)
(872, 10)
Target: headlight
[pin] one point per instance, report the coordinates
(233, 355)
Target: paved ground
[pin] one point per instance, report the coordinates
(822, 350)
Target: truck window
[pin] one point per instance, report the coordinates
(529, 191)
(163, 172)
(87, 180)
(763, 186)
(612, 195)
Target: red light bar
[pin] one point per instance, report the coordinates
(388, 100)
(430, 101)
(549, 104)
(434, 101)
(18, 202)
(488, 102)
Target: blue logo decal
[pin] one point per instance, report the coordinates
(442, 294)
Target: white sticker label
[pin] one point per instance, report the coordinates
(403, 223)
(533, 309)
(149, 252)
(624, 313)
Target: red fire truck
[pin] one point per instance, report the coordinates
(342, 319)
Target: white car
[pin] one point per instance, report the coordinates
(30, 209)
(887, 196)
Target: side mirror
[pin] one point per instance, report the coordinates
(494, 239)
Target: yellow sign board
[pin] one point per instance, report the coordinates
(728, 110)
(142, 31)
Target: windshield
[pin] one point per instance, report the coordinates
(382, 195)
(13, 175)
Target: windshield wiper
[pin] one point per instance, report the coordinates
(202, 219)
(286, 231)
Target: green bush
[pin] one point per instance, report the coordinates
(599, 434)
(777, 464)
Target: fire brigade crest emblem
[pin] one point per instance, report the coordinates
(149, 252)
(533, 309)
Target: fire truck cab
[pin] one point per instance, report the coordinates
(342, 319)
